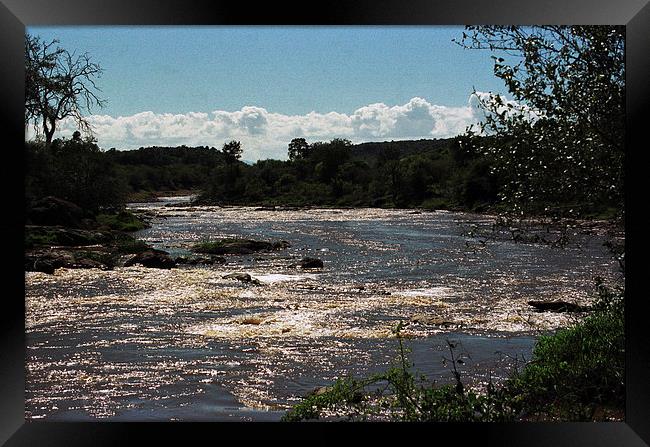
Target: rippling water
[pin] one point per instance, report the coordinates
(186, 344)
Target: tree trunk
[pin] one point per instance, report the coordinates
(49, 132)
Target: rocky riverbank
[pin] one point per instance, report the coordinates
(59, 234)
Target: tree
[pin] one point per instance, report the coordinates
(76, 170)
(58, 85)
(561, 138)
(329, 156)
(298, 149)
(232, 151)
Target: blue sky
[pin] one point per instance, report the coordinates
(257, 78)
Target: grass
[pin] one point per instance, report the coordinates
(235, 246)
(42, 239)
(106, 258)
(129, 245)
(122, 221)
(42, 236)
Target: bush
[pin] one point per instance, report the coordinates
(577, 371)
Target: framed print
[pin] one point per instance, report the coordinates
(387, 215)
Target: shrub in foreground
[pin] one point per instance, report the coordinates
(576, 374)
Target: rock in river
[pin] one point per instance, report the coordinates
(309, 263)
(200, 260)
(51, 210)
(431, 320)
(47, 261)
(243, 277)
(152, 258)
(556, 306)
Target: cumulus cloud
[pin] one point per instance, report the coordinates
(266, 134)
(510, 107)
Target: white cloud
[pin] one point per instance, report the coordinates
(511, 108)
(265, 134)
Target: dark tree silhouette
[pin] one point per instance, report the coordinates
(58, 85)
(562, 138)
(232, 151)
(298, 149)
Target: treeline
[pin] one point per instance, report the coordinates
(159, 168)
(423, 173)
(432, 174)
(75, 170)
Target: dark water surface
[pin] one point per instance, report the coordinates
(187, 344)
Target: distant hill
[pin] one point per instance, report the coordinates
(403, 148)
(209, 156)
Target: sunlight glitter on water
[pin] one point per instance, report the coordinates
(107, 343)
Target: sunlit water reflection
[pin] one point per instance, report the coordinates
(186, 344)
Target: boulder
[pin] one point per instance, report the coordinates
(86, 263)
(319, 391)
(243, 277)
(356, 398)
(281, 245)
(251, 320)
(36, 236)
(431, 320)
(51, 210)
(309, 263)
(152, 258)
(48, 261)
(200, 260)
(40, 264)
(556, 306)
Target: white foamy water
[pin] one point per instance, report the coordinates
(271, 278)
(435, 292)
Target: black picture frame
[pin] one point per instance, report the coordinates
(16, 14)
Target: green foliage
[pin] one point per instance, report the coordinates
(75, 170)
(397, 395)
(343, 396)
(40, 239)
(337, 173)
(109, 259)
(579, 369)
(432, 174)
(232, 151)
(42, 236)
(129, 245)
(121, 221)
(298, 149)
(561, 140)
(166, 168)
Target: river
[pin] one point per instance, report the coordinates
(139, 344)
